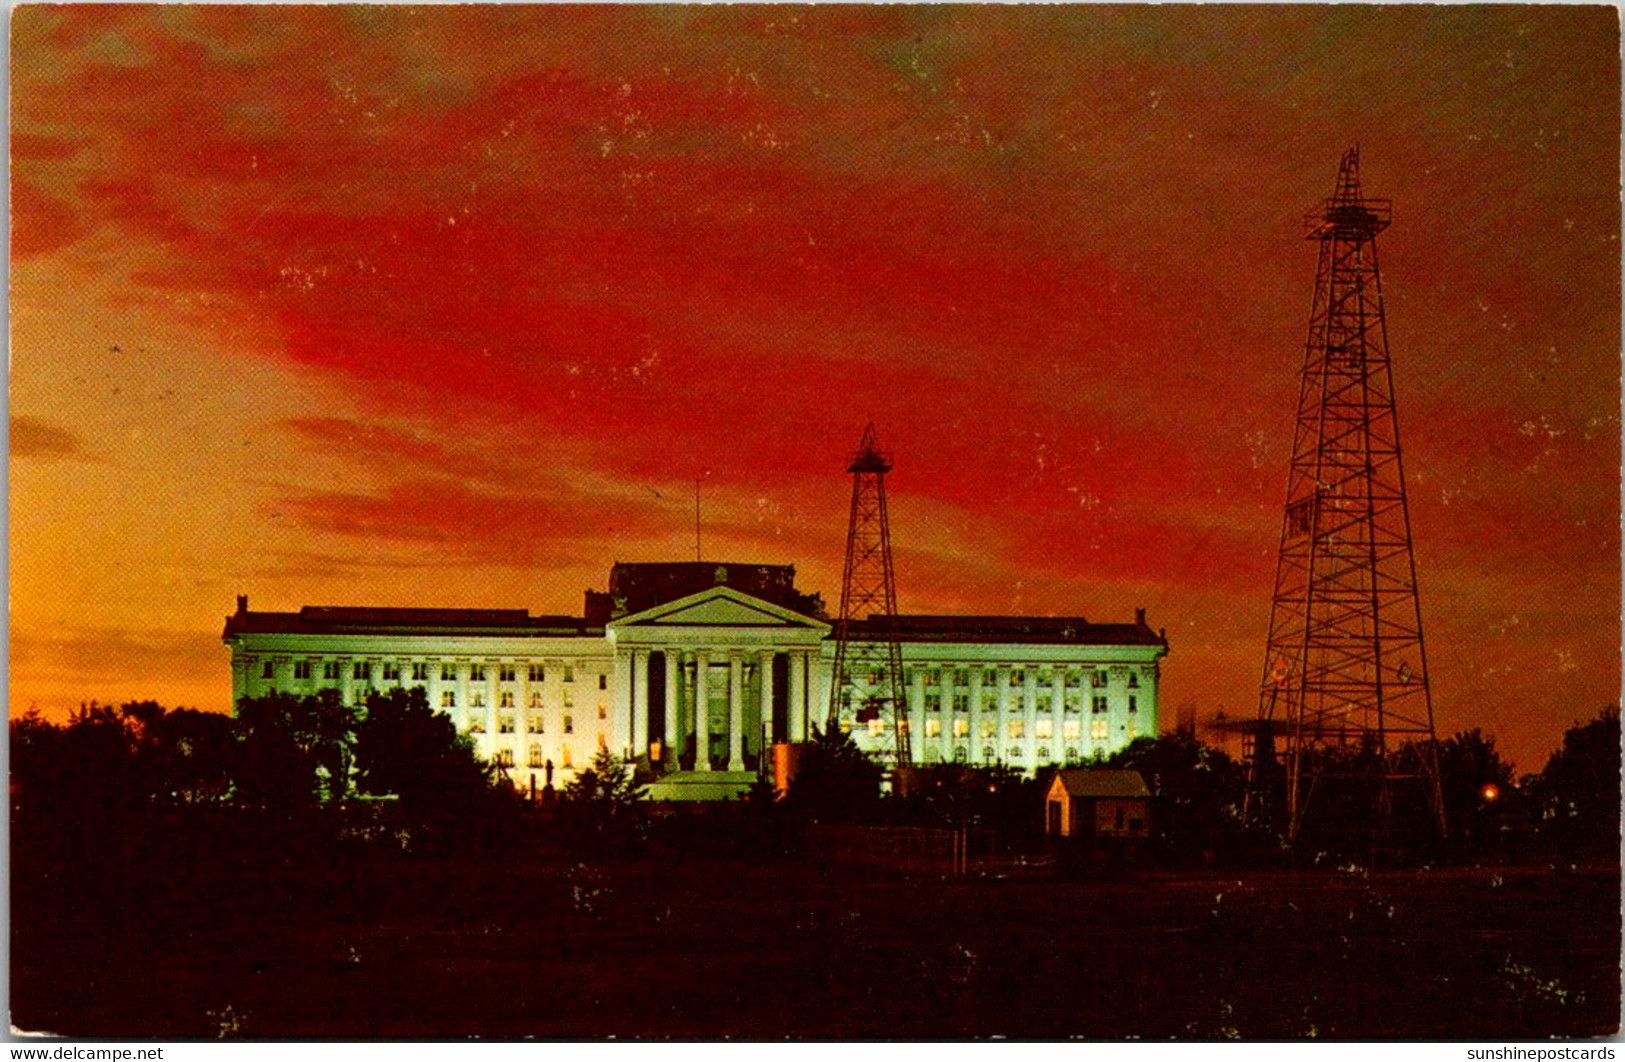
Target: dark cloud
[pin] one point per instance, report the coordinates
(33, 437)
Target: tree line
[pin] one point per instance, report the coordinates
(285, 754)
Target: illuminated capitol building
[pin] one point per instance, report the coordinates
(696, 668)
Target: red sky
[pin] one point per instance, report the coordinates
(449, 306)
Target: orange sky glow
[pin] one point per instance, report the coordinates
(448, 307)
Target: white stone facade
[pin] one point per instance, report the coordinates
(535, 692)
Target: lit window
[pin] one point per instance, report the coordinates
(1043, 728)
(1099, 729)
(330, 670)
(392, 672)
(932, 678)
(505, 673)
(537, 673)
(603, 682)
(603, 713)
(507, 699)
(448, 699)
(1017, 677)
(603, 742)
(877, 727)
(505, 723)
(420, 672)
(933, 728)
(536, 755)
(301, 669)
(961, 728)
(476, 673)
(569, 727)
(566, 757)
(536, 700)
(1098, 680)
(1071, 729)
(1133, 730)
(504, 757)
(990, 728)
(1018, 727)
(359, 673)
(534, 724)
(360, 695)
(1098, 706)
(476, 724)
(1133, 680)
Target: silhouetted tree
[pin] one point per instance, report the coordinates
(405, 748)
(607, 783)
(181, 756)
(1577, 794)
(835, 781)
(1199, 790)
(292, 749)
(1468, 763)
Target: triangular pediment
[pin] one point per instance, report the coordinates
(720, 606)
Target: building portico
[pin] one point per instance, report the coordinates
(717, 677)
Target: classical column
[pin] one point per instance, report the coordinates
(674, 738)
(1057, 708)
(702, 711)
(945, 707)
(1029, 711)
(764, 668)
(818, 695)
(640, 702)
(916, 714)
(492, 670)
(1149, 680)
(1001, 728)
(797, 730)
(974, 753)
(736, 712)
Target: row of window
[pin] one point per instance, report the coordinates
(961, 703)
(1015, 729)
(537, 758)
(1018, 677)
(535, 722)
(304, 670)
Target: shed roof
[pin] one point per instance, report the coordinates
(1102, 782)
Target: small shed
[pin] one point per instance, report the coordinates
(1098, 802)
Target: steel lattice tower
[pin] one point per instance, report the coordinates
(1345, 676)
(868, 678)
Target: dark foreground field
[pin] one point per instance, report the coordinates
(527, 946)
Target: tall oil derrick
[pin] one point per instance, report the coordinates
(868, 679)
(1345, 692)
